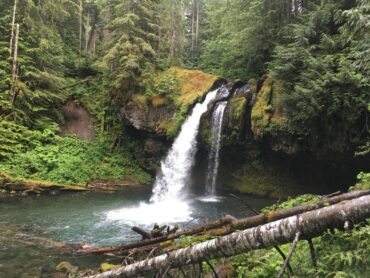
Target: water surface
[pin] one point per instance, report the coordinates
(26, 225)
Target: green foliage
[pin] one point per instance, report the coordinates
(165, 85)
(339, 253)
(69, 160)
(177, 121)
(292, 202)
(133, 42)
(325, 95)
(363, 182)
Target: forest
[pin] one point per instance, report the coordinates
(112, 112)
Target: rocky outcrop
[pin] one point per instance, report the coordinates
(154, 119)
(77, 121)
(260, 156)
(161, 113)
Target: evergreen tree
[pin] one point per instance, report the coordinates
(133, 43)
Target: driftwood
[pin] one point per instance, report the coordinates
(308, 225)
(227, 226)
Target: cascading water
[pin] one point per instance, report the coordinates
(175, 169)
(214, 154)
(168, 202)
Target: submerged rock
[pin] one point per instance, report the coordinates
(66, 267)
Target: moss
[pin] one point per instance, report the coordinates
(174, 89)
(140, 100)
(193, 85)
(267, 111)
(238, 106)
(259, 179)
(253, 83)
(108, 266)
(236, 120)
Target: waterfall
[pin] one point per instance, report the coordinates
(213, 157)
(175, 168)
(168, 203)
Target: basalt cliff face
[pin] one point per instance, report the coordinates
(258, 155)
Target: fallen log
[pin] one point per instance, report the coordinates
(308, 225)
(9, 183)
(144, 234)
(227, 226)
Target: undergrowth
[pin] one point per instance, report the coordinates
(339, 253)
(70, 160)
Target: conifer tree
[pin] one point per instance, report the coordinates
(133, 45)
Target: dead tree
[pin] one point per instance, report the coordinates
(14, 67)
(12, 32)
(308, 225)
(226, 226)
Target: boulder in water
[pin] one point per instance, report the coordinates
(66, 267)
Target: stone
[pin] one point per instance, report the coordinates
(66, 267)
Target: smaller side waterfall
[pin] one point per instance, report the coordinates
(213, 157)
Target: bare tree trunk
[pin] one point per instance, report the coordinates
(15, 54)
(106, 32)
(193, 25)
(12, 32)
(81, 21)
(14, 67)
(239, 224)
(91, 43)
(308, 225)
(197, 26)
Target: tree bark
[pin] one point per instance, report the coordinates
(12, 32)
(80, 21)
(14, 67)
(308, 225)
(197, 26)
(229, 225)
(15, 54)
(193, 25)
(142, 232)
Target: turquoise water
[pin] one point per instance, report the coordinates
(31, 227)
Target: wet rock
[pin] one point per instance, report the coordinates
(66, 267)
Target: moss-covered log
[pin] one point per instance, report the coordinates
(309, 224)
(11, 184)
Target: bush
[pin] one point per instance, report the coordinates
(70, 160)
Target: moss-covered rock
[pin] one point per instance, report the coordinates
(235, 120)
(267, 109)
(258, 178)
(166, 104)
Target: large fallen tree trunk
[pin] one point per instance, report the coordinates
(229, 225)
(9, 183)
(309, 224)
